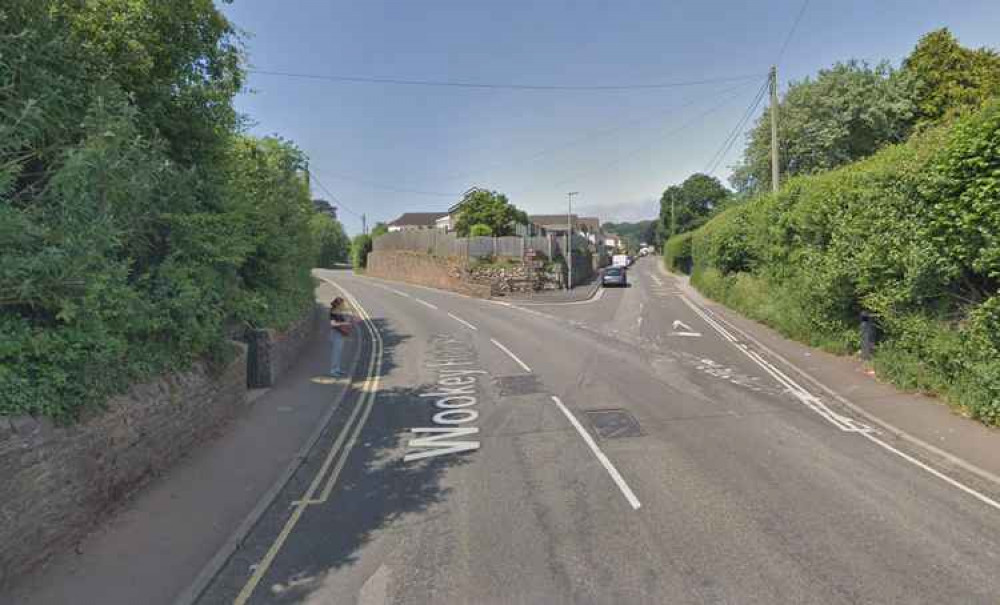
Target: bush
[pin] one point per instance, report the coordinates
(677, 253)
(480, 230)
(334, 245)
(360, 248)
(139, 228)
(910, 234)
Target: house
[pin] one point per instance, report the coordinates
(448, 219)
(414, 221)
(587, 226)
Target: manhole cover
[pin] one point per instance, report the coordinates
(613, 424)
(522, 384)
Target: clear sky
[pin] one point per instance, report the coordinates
(618, 148)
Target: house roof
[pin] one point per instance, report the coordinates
(417, 219)
(558, 221)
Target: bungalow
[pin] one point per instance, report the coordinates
(415, 221)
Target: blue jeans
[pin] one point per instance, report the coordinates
(336, 348)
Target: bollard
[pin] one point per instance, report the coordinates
(868, 335)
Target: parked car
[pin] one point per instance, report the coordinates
(615, 276)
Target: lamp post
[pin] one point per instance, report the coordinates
(569, 239)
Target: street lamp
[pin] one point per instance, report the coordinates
(569, 240)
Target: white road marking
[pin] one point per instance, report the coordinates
(680, 324)
(842, 422)
(424, 303)
(462, 321)
(605, 462)
(399, 292)
(688, 334)
(511, 355)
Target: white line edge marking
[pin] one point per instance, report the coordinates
(425, 303)
(399, 292)
(511, 354)
(615, 476)
(462, 321)
(811, 401)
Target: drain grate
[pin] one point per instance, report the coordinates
(521, 384)
(613, 424)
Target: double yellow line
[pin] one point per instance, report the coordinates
(350, 432)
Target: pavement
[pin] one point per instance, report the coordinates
(635, 447)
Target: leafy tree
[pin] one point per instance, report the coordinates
(360, 247)
(948, 77)
(380, 228)
(480, 230)
(846, 113)
(334, 245)
(635, 233)
(491, 209)
(686, 206)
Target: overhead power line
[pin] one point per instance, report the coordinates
(791, 32)
(340, 204)
(504, 86)
(383, 187)
(727, 143)
(640, 149)
(584, 138)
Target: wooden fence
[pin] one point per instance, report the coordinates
(437, 242)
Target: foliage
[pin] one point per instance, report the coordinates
(846, 113)
(360, 247)
(334, 245)
(138, 228)
(635, 233)
(949, 78)
(910, 234)
(677, 253)
(686, 206)
(380, 228)
(480, 230)
(489, 208)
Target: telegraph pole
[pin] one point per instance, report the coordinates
(775, 184)
(364, 224)
(569, 239)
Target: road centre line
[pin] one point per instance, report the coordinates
(844, 423)
(364, 405)
(462, 321)
(425, 303)
(511, 354)
(603, 459)
(399, 292)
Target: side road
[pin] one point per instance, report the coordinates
(152, 549)
(914, 417)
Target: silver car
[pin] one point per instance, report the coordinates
(615, 276)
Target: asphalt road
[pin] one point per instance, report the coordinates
(630, 449)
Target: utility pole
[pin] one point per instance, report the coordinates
(364, 224)
(673, 217)
(775, 184)
(569, 239)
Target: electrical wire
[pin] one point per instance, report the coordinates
(791, 32)
(641, 148)
(727, 143)
(585, 138)
(494, 86)
(383, 187)
(340, 204)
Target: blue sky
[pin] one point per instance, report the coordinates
(618, 148)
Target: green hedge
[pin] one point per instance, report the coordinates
(911, 234)
(139, 228)
(677, 252)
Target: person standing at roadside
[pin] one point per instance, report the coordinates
(340, 328)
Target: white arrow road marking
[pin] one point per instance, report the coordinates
(689, 334)
(680, 324)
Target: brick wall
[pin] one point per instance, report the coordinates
(425, 270)
(57, 482)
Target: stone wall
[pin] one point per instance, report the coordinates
(424, 270)
(272, 353)
(57, 482)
